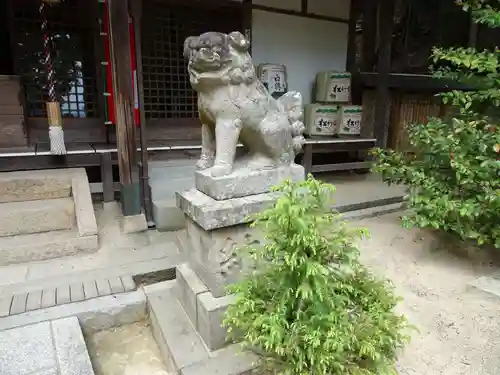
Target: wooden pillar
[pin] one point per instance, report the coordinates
(369, 9)
(357, 89)
(385, 29)
(351, 39)
(124, 102)
(473, 33)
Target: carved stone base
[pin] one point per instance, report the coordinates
(216, 229)
(245, 182)
(213, 254)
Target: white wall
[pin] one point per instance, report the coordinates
(305, 45)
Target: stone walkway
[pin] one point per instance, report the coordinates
(50, 348)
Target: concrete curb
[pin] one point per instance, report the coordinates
(94, 315)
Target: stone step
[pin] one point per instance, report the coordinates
(179, 343)
(181, 346)
(36, 216)
(43, 246)
(12, 131)
(35, 185)
(69, 293)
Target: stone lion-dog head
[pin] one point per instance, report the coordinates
(215, 55)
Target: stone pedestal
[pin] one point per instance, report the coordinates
(217, 214)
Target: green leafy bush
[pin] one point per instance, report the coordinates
(311, 307)
(453, 172)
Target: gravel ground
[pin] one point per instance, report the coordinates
(459, 326)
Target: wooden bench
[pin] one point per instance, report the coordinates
(332, 145)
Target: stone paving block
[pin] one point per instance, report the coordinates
(5, 304)
(63, 295)
(128, 283)
(27, 350)
(189, 286)
(71, 351)
(103, 287)
(76, 292)
(18, 304)
(228, 361)
(116, 285)
(96, 314)
(34, 301)
(90, 289)
(210, 315)
(48, 298)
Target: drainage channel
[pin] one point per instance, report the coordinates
(126, 350)
(129, 349)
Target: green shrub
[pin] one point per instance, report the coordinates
(311, 307)
(453, 172)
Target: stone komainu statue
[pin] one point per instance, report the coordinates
(235, 106)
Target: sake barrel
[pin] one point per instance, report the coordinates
(274, 77)
(350, 120)
(321, 119)
(333, 87)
